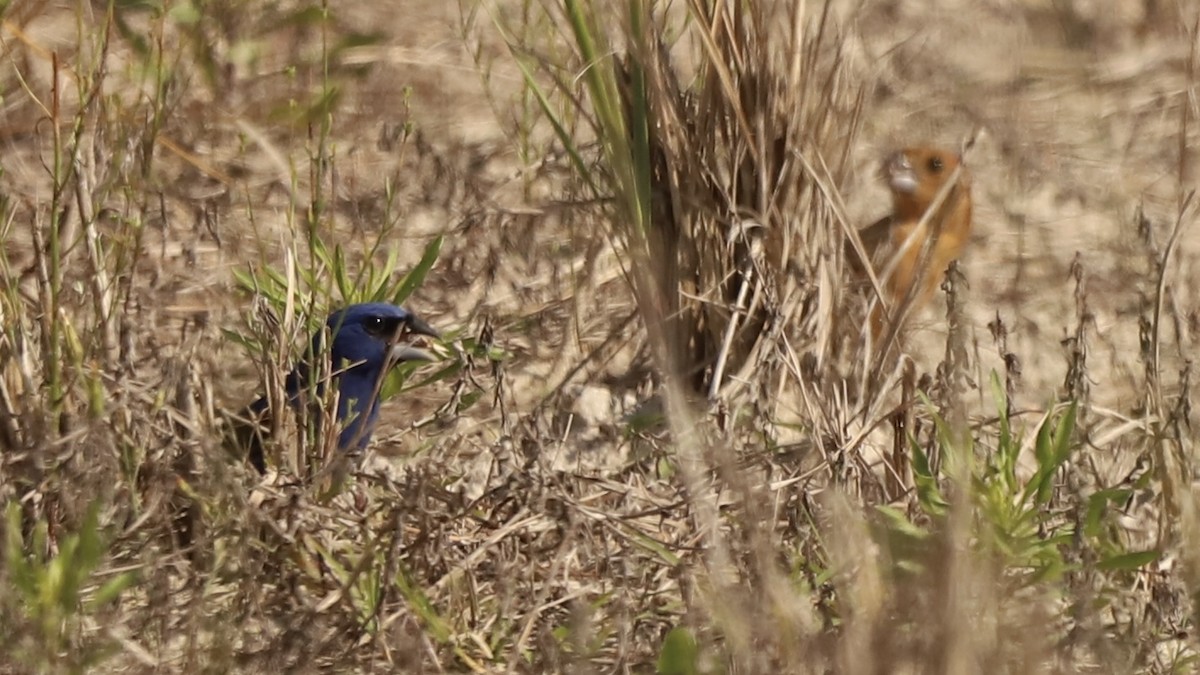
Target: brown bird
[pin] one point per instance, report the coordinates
(928, 228)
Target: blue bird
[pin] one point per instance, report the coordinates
(368, 339)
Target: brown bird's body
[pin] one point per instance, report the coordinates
(928, 228)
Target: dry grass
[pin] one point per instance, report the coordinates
(664, 445)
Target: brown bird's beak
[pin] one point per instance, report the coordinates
(410, 350)
(899, 173)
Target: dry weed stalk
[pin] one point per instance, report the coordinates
(746, 226)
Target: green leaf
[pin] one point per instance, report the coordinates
(422, 607)
(467, 400)
(929, 493)
(246, 342)
(340, 275)
(1041, 445)
(185, 13)
(245, 280)
(1001, 400)
(652, 545)
(381, 276)
(898, 522)
(679, 654)
(1128, 561)
(416, 276)
(1097, 506)
(1052, 449)
(112, 589)
(20, 568)
(1063, 433)
(564, 136)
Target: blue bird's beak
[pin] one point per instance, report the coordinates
(418, 326)
(409, 350)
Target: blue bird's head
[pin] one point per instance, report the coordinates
(368, 339)
(374, 335)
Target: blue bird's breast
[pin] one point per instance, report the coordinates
(358, 406)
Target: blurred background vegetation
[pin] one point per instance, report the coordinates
(660, 442)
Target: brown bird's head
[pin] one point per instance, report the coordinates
(916, 175)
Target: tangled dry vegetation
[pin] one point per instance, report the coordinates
(662, 443)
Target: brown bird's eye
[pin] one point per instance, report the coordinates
(936, 165)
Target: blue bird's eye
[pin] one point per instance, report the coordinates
(380, 326)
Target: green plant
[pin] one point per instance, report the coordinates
(57, 586)
(1021, 517)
